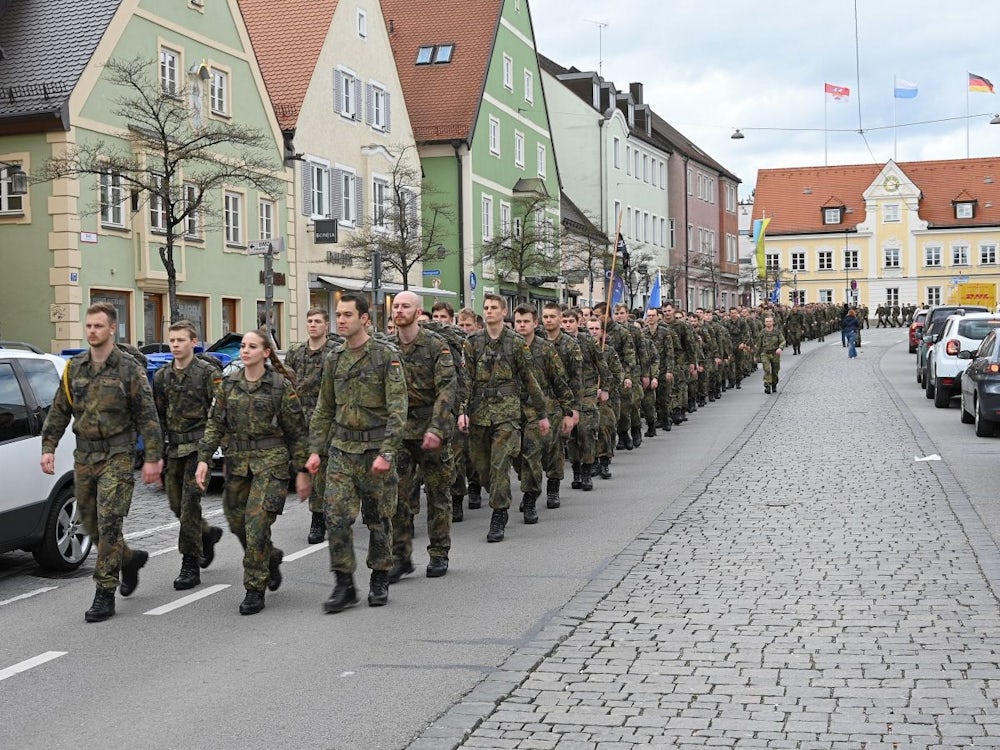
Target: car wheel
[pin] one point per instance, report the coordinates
(928, 386)
(984, 427)
(942, 397)
(66, 544)
(920, 375)
(967, 418)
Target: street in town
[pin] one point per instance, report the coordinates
(781, 571)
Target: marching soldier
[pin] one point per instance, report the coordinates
(571, 356)
(769, 346)
(596, 381)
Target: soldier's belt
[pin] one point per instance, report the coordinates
(176, 438)
(420, 412)
(256, 445)
(507, 389)
(359, 436)
(104, 446)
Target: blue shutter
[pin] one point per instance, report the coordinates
(307, 193)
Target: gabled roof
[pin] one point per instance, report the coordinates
(793, 197)
(576, 220)
(443, 100)
(287, 40)
(46, 47)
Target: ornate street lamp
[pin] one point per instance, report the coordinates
(18, 178)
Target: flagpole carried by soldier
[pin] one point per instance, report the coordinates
(107, 395)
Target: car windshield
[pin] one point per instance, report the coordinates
(977, 329)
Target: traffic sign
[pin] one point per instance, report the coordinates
(263, 247)
(432, 272)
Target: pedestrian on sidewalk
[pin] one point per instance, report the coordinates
(770, 342)
(849, 330)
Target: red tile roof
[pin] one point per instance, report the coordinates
(443, 100)
(794, 198)
(287, 39)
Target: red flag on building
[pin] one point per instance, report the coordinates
(838, 93)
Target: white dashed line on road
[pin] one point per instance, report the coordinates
(303, 552)
(30, 594)
(27, 664)
(189, 599)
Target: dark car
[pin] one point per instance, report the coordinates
(933, 323)
(981, 386)
(916, 329)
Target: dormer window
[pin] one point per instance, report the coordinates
(965, 209)
(833, 215)
(435, 53)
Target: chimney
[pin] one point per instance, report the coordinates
(635, 89)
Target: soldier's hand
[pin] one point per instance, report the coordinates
(303, 485)
(700, 368)
(603, 396)
(152, 471)
(718, 361)
(312, 464)
(645, 382)
(692, 369)
(669, 377)
(544, 427)
(431, 442)
(380, 465)
(778, 352)
(567, 425)
(654, 384)
(48, 463)
(463, 422)
(628, 384)
(200, 475)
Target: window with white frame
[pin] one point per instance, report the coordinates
(730, 197)
(519, 149)
(933, 295)
(826, 296)
(654, 233)
(348, 196)
(851, 260)
(627, 221)
(494, 136)
(663, 232)
(9, 204)
(652, 172)
(381, 203)
(112, 198)
(637, 226)
(963, 211)
(219, 92)
(890, 213)
(618, 211)
(192, 225)
(825, 260)
(690, 182)
(988, 254)
(645, 226)
(892, 296)
(616, 152)
(379, 110)
(317, 189)
(932, 256)
(798, 261)
(890, 257)
(346, 93)
(169, 65)
(157, 206)
(645, 167)
(504, 218)
(362, 24)
(732, 248)
(960, 255)
(637, 165)
(508, 72)
(673, 234)
(529, 87)
(628, 160)
(663, 175)
(265, 219)
(232, 205)
(831, 215)
(487, 218)
(772, 261)
(541, 159)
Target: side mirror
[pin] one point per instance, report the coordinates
(966, 354)
(930, 338)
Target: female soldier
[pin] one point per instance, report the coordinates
(258, 410)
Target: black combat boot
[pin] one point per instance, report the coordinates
(208, 542)
(552, 493)
(274, 569)
(343, 595)
(767, 388)
(378, 589)
(651, 429)
(317, 529)
(605, 463)
(677, 416)
(587, 477)
(399, 569)
(497, 525)
(620, 446)
(190, 575)
(103, 606)
(666, 424)
(711, 396)
(738, 386)
(475, 497)
(130, 571)
(627, 437)
(528, 507)
(457, 513)
(577, 482)
(437, 567)
(252, 603)
(637, 435)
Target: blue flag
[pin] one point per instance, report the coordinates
(776, 293)
(617, 290)
(655, 300)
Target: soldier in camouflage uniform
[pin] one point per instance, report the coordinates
(500, 378)
(306, 361)
(632, 401)
(107, 395)
(609, 409)
(183, 391)
(595, 382)
(560, 404)
(571, 357)
(769, 345)
(359, 421)
(259, 412)
(662, 385)
(432, 396)
(619, 339)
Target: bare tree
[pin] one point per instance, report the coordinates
(711, 267)
(170, 157)
(586, 254)
(528, 247)
(396, 229)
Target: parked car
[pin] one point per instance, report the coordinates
(916, 329)
(960, 333)
(932, 330)
(38, 512)
(980, 386)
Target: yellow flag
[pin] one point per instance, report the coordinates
(760, 225)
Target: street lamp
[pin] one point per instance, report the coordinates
(17, 176)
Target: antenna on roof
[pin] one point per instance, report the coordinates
(601, 26)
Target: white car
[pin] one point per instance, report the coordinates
(961, 332)
(38, 511)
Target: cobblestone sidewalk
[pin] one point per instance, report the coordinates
(816, 588)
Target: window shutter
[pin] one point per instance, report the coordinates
(336, 194)
(359, 202)
(338, 91)
(370, 105)
(330, 210)
(307, 193)
(388, 111)
(357, 99)
(410, 203)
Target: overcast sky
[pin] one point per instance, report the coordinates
(711, 66)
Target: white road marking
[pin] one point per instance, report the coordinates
(30, 594)
(303, 552)
(167, 526)
(189, 599)
(27, 664)
(163, 551)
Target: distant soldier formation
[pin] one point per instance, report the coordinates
(363, 420)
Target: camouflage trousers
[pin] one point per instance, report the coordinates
(629, 407)
(772, 365)
(607, 424)
(252, 504)
(679, 397)
(185, 502)
(458, 445)
(538, 454)
(437, 469)
(103, 497)
(649, 403)
(491, 448)
(317, 498)
(664, 397)
(352, 488)
(582, 444)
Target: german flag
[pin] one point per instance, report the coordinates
(978, 83)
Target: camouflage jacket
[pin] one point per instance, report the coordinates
(431, 385)
(183, 399)
(621, 341)
(595, 373)
(645, 354)
(362, 400)
(768, 341)
(455, 337)
(560, 400)
(571, 357)
(307, 364)
(109, 404)
(500, 376)
(616, 387)
(264, 424)
(663, 343)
